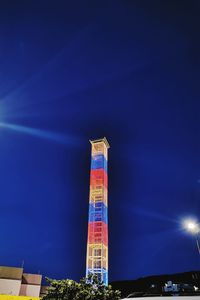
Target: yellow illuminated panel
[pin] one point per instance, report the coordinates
(98, 195)
(100, 148)
(97, 254)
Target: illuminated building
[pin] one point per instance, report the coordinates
(97, 243)
(13, 281)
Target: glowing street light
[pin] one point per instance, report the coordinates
(191, 226)
(194, 228)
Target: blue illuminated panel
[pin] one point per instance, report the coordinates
(99, 162)
(98, 212)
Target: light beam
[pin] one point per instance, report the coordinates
(44, 134)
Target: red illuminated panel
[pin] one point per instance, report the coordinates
(98, 177)
(96, 225)
(97, 233)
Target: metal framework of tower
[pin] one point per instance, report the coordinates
(97, 242)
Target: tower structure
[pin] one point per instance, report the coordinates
(97, 242)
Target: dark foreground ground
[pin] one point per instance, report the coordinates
(144, 284)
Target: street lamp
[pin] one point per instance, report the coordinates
(194, 228)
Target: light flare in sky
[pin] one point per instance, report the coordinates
(191, 225)
(44, 134)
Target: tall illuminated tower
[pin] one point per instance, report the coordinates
(97, 243)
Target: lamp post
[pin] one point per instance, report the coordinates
(194, 228)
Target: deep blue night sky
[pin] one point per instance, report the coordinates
(71, 71)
